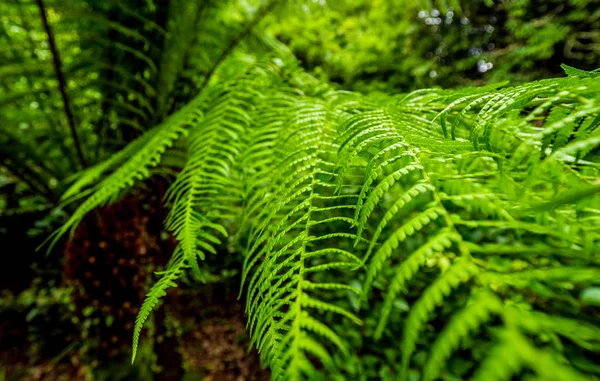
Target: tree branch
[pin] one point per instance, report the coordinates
(62, 86)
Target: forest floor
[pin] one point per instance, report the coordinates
(216, 345)
(212, 337)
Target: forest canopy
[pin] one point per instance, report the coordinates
(300, 190)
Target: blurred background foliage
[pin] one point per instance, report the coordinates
(400, 45)
(124, 66)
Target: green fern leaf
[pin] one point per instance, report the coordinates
(459, 272)
(406, 270)
(158, 290)
(462, 324)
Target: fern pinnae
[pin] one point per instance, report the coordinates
(355, 141)
(514, 224)
(92, 174)
(514, 353)
(382, 187)
(514, 99)
(275, 297)
(463, 113)
(158, 290)
(272, 235)
(564, 134)
(289, 189)
(410, 227)
(272, 264)
(419, 188)
(356, 123)
(135, 168)
(501, 101)
(405, 272)
(358, 129)
(589, 125)
(316, 349)
(204, 175)
(503, 361)
(398, 147)
(586, 110)
(269, 213)
(276, 234)
(468, 320)
(283, 273)
(297, 308)
(326, 221)
(375, 169)
(444, 113)
(584, 334)
(261, 275)
(308, 301)
(485, 115)
(331, 286)
(364, 145)
(339, 265)
(532, 251)
(460, 271)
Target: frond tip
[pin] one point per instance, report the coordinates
(158, 290)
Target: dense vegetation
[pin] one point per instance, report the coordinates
(377, 226)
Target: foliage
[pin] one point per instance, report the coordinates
(440, 188)
(431, 234)
(391, 45)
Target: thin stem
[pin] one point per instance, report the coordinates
(62, 85)
(51, 123)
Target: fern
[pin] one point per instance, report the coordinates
(281, 304)
(436, 194)
(514, 353)
(198, 203)
(462, 324)
(477, 206)
(158, 290)
(574, 72)
(408, 268)
(136, 167)
(460, 272)
(484, 195)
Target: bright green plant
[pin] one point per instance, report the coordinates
(488, 193)
(433, 234)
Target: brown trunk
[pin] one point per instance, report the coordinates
(110, 262)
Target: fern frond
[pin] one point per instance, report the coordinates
(461, 271)
(92, 174)
(463, 323)
(574, 72)
(411, 227)
(281, 301)
(197, 196)
(586, 335)
(514, 353)
(407, 269)
(492, 186)
(158, 290)
(136, 167)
